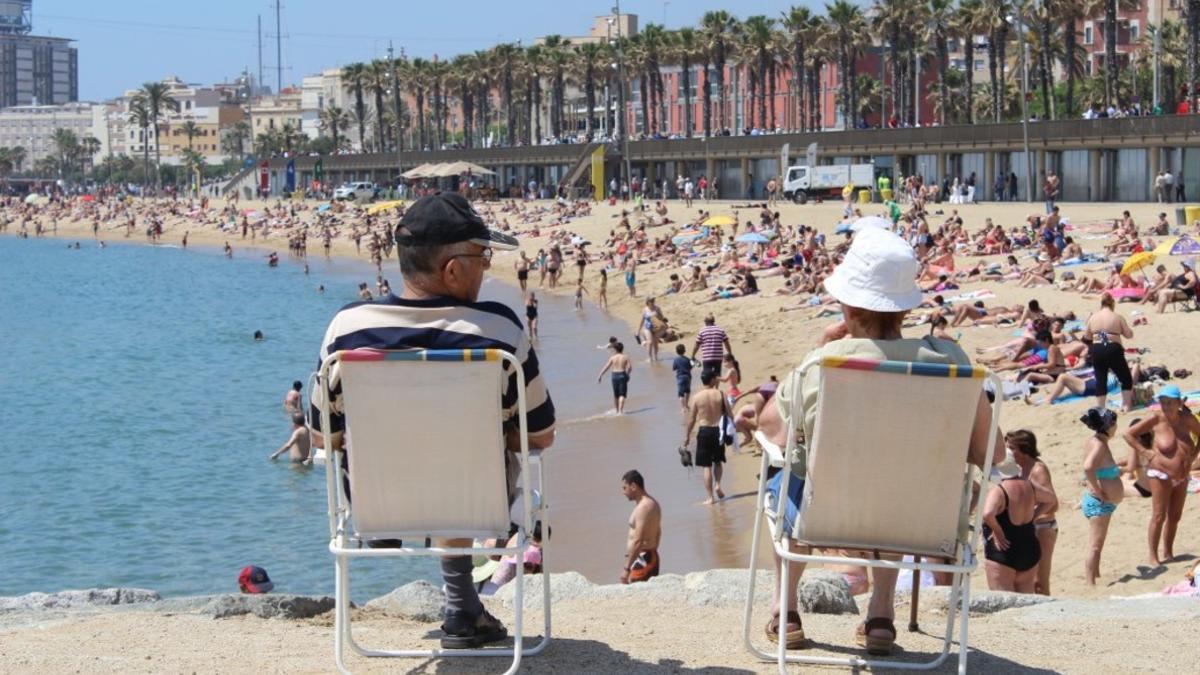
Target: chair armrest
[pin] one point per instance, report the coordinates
(773, 452)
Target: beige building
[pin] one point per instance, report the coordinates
(32, 126)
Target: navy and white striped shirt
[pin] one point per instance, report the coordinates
(440, 323)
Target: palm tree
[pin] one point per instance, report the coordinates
(995, 18)
(486, 73)
(758, 38)
(558, 58)
(379, 80)
(354, 77)
(507, 56)
(798, 21)
(590, 57)
(685, 47)
(363, 120)
(966, 24)
(334, 120)
(289, 136)
(66, 144)
(159, 100)
(139, 114)
(11, 160)
(89, 145)
(438, 72)
(400, 68)
(234, 140)
(418, 81)
(847, 22)
(1111, 7)
(1193, 59)
(940, 14)
(889, 18)
(1171, 59)
(191, 129)
(719, 29)
(1070, 13)
(1043, 36)
(655, 43)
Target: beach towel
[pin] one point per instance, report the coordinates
(1114, 387)
(1120, 293)
(978, 294)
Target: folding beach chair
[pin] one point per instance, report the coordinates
(427, 460)
(882, 428)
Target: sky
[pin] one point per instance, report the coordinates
(123, 43)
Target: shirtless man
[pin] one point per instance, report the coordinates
(1171, 457)
(705, 410)
(645, 531)
(621, 368)
(298, 443)
(293, 401)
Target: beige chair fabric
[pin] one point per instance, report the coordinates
(436, 426)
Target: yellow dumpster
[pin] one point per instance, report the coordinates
(1192, 214)
(885, 194)
(864, 196)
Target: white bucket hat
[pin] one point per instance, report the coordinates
(878, 274)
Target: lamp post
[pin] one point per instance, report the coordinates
(1024, 107)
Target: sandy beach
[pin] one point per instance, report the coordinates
(639, 637)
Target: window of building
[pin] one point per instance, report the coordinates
(1135, 29)
(1088, 33)
(978, 64)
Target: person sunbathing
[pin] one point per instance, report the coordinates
(1044, 353)
(1042, 273)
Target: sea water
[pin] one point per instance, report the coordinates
(138, 413)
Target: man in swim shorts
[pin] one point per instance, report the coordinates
(621, 368)
(645, 531)
(298, 444)
(705, 410)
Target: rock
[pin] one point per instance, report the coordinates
(982, 602)
(92, 597)
(267, 606)
(419, 601)
(563, 586)
(825, 592)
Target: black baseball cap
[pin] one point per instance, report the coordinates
(448, 218)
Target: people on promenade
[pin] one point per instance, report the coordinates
(445, 250)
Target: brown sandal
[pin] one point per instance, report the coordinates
(876, 645)
(793, 637)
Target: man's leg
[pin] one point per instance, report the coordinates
(718, 471)
(708, 484)
(461, 595)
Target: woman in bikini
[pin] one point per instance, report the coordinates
(1171, 457)
(602, 294)
(1023, 445)
(1104, 489)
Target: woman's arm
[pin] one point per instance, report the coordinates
(1136, 449)
(992, 508)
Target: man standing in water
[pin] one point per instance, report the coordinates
(645, 531)
(298, 444)
(445, 249)
(621, 368)
(713, 344)
(706, 409)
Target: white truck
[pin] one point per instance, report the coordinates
(803, 181)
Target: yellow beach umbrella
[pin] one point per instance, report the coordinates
(384, 206)
(1137, 261)
(720, 221)
(1165, 247)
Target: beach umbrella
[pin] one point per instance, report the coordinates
(753, 238)
(722, 220)
(32, 198)
(1184, 245)
(1137, 261)
(384, 206)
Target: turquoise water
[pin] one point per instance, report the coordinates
(139, 415)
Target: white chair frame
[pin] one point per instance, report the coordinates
(964, 560)
(346, 544)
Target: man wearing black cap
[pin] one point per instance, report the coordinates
(444, 249)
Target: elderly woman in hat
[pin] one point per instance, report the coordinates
(876, 288)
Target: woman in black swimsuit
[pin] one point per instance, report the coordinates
(531, 313)
(1011, 544)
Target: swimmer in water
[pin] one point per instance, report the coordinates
(258, 336)
(298, 444)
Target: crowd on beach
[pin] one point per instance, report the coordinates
(724, 257)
